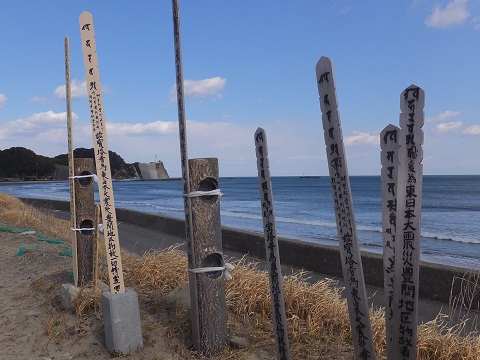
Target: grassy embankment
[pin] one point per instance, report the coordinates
(318, 321)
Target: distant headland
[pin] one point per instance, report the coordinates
(21, 164)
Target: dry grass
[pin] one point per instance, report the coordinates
(317, 315)
(436, 340)
(461, 305)
(15, 213)
(155, 274)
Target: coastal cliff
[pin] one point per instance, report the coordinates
(151, 171)
(19, 163)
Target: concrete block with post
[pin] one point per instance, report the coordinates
(123, 332)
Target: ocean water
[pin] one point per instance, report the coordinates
(450, 224)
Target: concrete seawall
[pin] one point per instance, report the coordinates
(435, 280)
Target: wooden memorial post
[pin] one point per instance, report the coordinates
(409, 206)
(101, 154)
(343, 206)
(208, 263)
(73, 234)
(271, 246)
(189, 235)
(389, 138)
(85, 218)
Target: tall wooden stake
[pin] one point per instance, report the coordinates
(409, 206)
(343, 206)
(102, 159)
(182, 128)
(73, 234)
(389, 139)
(271, 246)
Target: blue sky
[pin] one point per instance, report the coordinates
(246, 64)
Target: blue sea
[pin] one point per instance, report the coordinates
(304, 209)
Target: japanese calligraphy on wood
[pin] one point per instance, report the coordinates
(389, 144)
(271, 246)
(73, 234)
(409, 205)
(343, 206)
(101, 154)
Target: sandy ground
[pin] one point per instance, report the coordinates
(33, 322)
(35, 325)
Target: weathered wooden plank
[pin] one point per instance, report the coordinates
(102, 159)
(182, 129)
(344, 213)
(271, 246)
(389, 144)
(409, 206)
(68, 97)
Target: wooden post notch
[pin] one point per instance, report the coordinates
(86, 220)
(209, 326)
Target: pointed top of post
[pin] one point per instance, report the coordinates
(86, 21)
(323, 64)
(260, 137)
(389, 128)
(413, 92)
(85, 14)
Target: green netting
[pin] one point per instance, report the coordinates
(51, 241)
(22, 250)
(13, 230)
(65, 249)
(70, 276)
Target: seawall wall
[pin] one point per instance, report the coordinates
(435, 280)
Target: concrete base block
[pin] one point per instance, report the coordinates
(68, 293)
(121, 316)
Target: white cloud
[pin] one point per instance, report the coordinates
(476, 22)
(361, 138)
(35, 124)
(198, 89)
(472, 130)
(3, 100)
(39, 99)
(444, 116)
(454, 13)
(45, 133)
(77, 90)
(447, 127)
(38, 120)
(150, 129)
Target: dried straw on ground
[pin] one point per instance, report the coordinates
(318, 321)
